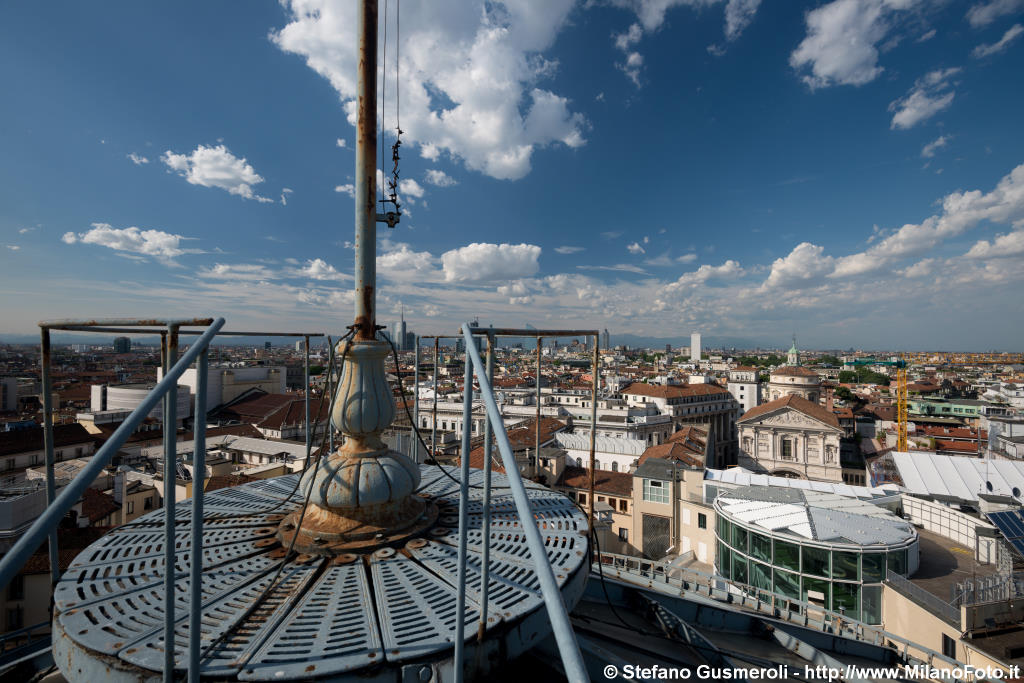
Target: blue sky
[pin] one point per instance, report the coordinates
(849, 170)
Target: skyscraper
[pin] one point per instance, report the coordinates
(695, 347)
(122, 345)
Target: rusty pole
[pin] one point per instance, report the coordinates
(366, 170)
(593, 431)
(51, 486)
(536, 440)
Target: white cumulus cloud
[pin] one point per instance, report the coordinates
(841, 43)
(439, 178)
(930, 95)
(216, 167)
(138, 160)
(471, 76)
(161, 245)
(802, 267)
(961, 211)
(635, 248)
(484, 262)
(347, 188)
(1003, 246)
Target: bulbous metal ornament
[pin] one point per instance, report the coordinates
(362, 494)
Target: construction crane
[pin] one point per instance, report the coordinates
(901, 405)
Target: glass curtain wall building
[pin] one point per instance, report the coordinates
(816, 547)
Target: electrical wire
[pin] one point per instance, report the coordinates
(305, 466)
(416, 428)
(298, 527)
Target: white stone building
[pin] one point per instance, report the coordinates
(791, 437)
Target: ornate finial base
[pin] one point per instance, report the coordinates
(364, 529)
(363, 495)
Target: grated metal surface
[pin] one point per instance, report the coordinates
(324, 617)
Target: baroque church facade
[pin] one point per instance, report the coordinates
(792, 435)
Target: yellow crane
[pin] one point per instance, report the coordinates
(901, 405)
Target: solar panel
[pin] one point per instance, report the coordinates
(1011, 524)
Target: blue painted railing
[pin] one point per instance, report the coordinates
(568, 648)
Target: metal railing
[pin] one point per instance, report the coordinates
(572, 660)
(942, 609)
(654, 573)
(165, 390)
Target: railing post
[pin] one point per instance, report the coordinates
(460, 603)
(198, 480)
(309, 441)
(485, 542)
(415, 405)
(51, 484)
(569, 649)
(170, 479)
(433, 419)
(593, 439)
(24, 547)
(536, 433)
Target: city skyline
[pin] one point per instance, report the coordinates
(658, 167)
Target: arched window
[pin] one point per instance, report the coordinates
(579, 462)
(615, 466)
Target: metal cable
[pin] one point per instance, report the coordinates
(305, 467)
(291, 545)
(419, 437)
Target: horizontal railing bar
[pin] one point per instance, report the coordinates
(620, 563)
(232, 333)
(133, 322)
(16, 558)
(508, 332)
(222, 333)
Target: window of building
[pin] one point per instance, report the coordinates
(147, 504)
(623, 534)
(623, 503)
(702, 520)
(615, 466)
(583, 498)
(655, 491)
(600, 499)
(131, 506)
(15, 618)
(16, 588)
(787, 449)
(948, 646)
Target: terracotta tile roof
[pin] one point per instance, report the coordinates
(794, 371)
(254, 407)
(956, 446)
(520, 438)
(477, 462)
(294, 413)
(97, 505)
(614, 483)
(692, 434)
(672, 451)
(31, 439)
(672, 390)
(797, 403)
(71, 540)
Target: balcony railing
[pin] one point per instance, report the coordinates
(165, 391)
